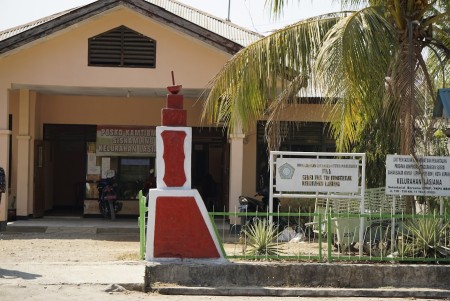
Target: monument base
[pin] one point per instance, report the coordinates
(179, 227)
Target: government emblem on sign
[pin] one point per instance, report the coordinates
(286, 171)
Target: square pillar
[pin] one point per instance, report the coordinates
(4, 154)
(23, 154)
(236, 171)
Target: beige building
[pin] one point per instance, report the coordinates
(81, 92)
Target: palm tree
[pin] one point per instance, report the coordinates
(369, 63)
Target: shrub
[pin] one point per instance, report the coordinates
(260, 237)
(425, 237)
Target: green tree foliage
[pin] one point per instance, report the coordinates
(376, 65)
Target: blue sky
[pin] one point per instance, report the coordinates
(250, 14)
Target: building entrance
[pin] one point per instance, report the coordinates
(65, 167)
(210, 168)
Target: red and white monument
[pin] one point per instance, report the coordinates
(178, 225)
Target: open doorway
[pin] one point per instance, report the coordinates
(65, 167)
(210, 167)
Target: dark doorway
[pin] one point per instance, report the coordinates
(39, 179)
(209, 167)
(66, 167)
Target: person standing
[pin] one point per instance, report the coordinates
(150, 182)
(2, 183)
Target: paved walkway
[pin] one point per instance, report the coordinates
(129, 274)
(74, 224)
(125, 273)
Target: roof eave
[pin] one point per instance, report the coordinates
(98, 7)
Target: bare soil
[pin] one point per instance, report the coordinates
(68, 247)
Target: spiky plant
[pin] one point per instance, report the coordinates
(260, 239)
(426, 237)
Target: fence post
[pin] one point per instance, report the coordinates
(320, 237)
(141, 221)
(393, 242)
(329, 238)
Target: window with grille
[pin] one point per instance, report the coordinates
(122, 47)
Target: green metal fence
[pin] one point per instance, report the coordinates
(328, 237)
(330, 232)
(142, 219)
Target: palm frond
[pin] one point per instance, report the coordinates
(240, 93)
(351, 67)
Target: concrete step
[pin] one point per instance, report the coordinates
(74, 225)
(306, 292)
(291, 278)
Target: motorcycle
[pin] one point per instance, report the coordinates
(248, 204)
(252, 204)
(107, 200)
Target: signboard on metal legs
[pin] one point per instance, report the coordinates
(338, 177)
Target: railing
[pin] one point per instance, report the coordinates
(326, 236)
(142, 219)
(335, 237)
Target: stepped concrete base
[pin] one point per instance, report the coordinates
(324, 292)
(299, 279)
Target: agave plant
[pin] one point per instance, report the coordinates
(426, 237)
(260, 238)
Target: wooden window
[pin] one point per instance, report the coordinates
(122, 47)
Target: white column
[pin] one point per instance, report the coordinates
(4, 153)
(236, 171)
(4, 162)
(23, 154)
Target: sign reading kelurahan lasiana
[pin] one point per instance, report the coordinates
(113, 140)
(427, 175)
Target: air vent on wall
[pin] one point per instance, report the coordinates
(122, 47)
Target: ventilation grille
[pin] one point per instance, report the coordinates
(122, 47)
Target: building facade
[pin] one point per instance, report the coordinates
(81, 92)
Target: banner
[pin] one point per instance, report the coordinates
(126, 141)
(429, 175)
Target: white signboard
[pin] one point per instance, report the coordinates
(317, 175)
(404, 177)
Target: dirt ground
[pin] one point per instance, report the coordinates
(85, 247)
(79, 247)
(68, 247)
(72, 248)
(18, 250)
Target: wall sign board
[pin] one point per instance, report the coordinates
(126, 141)
(427, 176)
